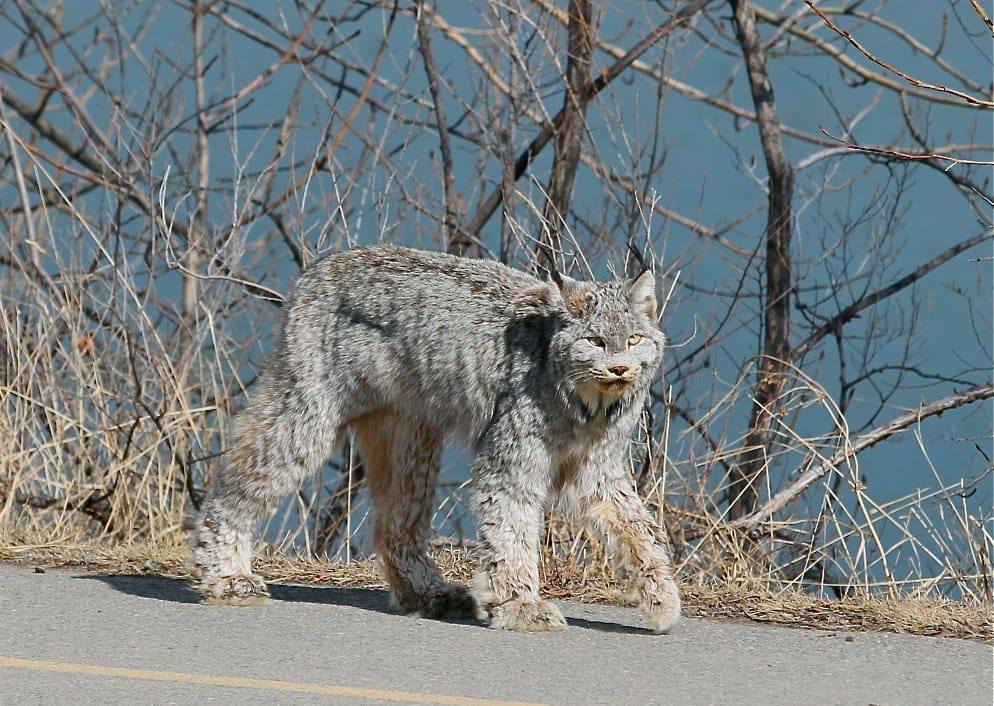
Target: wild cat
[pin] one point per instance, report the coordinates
(407, 349)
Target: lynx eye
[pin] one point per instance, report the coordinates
(635, 339)
(595, 341)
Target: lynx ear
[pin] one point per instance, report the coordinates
(578, 296)
(642, 294)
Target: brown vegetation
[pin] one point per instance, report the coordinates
(562, 580)
(147, 237)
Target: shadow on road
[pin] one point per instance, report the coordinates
(177, 591)
(607, 627)
(156, 587)
(372, 599)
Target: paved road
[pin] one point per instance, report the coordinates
(67, 637)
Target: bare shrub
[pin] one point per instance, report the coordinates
(168, 167)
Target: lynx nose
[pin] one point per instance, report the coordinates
(619, 370)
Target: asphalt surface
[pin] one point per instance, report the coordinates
(69, 637)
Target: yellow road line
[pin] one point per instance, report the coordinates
(244, 683)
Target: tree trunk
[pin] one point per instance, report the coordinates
(754, 459)
(569, 135)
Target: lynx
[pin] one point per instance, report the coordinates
(407, 349)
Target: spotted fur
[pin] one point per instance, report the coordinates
(408, 349)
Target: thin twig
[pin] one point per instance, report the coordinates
(905, 154)
(971, 100)
(983, 15)
(864, 302)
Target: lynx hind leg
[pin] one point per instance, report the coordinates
(276, 443)
(222, 558)
(402, 458)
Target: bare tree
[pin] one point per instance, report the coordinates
(744, 489)
(161, 188)
(570, 130)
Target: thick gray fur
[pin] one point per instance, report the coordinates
(407, 349)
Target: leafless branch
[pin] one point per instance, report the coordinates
(569, 131)
(852, 311)
(538, 143)
(861, 443)
(965, 97)
(919, 156)
(983, 15)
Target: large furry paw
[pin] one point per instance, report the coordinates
(232, 590)
(661, 608)
(528, 616)
(450, 600)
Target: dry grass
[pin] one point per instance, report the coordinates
(562, 579)
(130, 331)
(108, 438)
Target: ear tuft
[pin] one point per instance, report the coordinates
(642, 294)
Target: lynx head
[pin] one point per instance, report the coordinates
(607, 346)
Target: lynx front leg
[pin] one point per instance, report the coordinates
(616, 511)
(510, 499)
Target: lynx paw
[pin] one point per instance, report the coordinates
(233, 590)
(528, 616)
(451, 600)
(662, 609)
